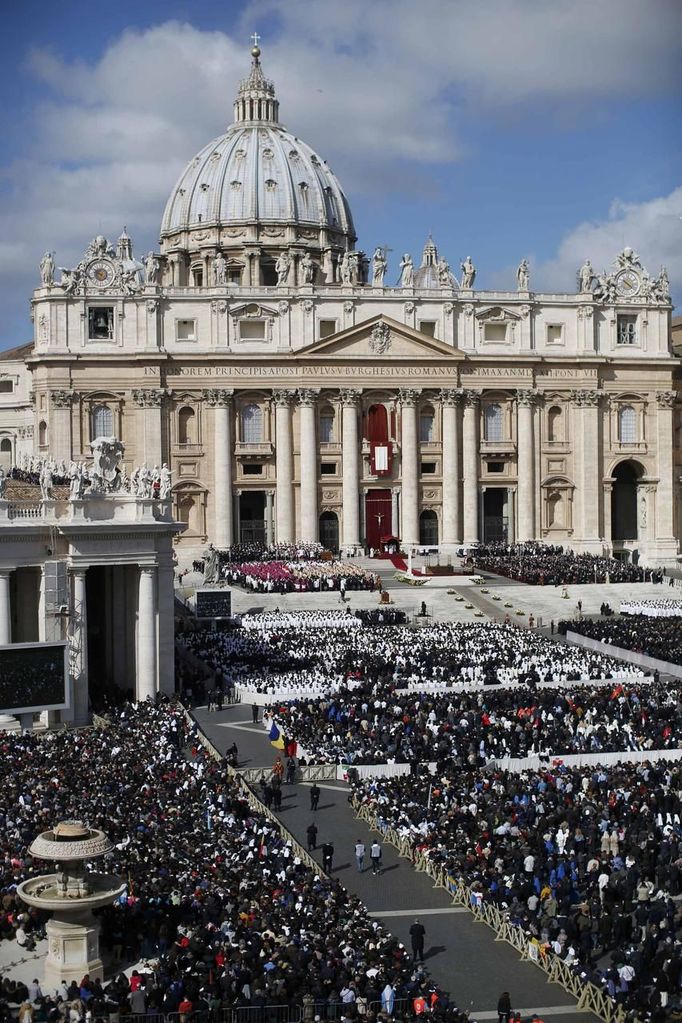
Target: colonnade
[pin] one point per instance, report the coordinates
(460, 454)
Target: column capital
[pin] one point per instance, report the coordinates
(283, 396)
(148, 397)
(147, 569)
(218, 397)
(350, 395)
(308, 396)
(409, 396)
(76, 571)
(450, 396)
(587, 399)
(666, 399)
(527, 397)
(62, 398)
(471, 399)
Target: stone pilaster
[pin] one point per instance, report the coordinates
(470, 460)
(284, 466)
(350, 398)
(409, 465)
(307, 400)
(451, 532)
(525, 451)
(220, 401)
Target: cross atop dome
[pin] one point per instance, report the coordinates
(256, 100)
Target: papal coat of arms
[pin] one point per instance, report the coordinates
(380, 338)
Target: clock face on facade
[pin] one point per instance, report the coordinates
(627, 283)
(101, 273)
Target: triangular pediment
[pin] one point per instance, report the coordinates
(381, 339)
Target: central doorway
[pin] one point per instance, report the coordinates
(495, 520)
(329, 531)
(378, 517)
(252, 527)
(624, 503)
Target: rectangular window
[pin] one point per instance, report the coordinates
(627, 330)
(198, 278)
(428, 468)
(555, 333)
(495, 332)
(428, 327)
(328, 469)
(327, 328)
(186, 330)
(252, 330)
(495, 466)
(101, 323)
(252, 470)
(6, 386)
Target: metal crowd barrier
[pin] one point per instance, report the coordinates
(590, 998)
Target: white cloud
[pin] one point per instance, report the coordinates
(653, 228)
(377, 88)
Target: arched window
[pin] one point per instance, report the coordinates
(326, 425)
(102, 421)
(555, 425)
(494, 423)
(186, 426)
(6, 452)
(252, 424)
(42, 434)
(627, 425)
(426, 424)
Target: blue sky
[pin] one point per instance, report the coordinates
(544, 129)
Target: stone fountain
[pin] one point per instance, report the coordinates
(71, 894)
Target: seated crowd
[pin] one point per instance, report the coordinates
(652, 608)
(266, 621)
(254, 551)
(441, 655)
(542, 564)
(374, 724)
(588, 861)
(655, 637)
(234, 916)
(299, 577)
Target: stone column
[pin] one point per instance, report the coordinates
(79, 648)
(470, 459)
(220, 400)
(146, 633)
(284, 466)
(409, 465)
(5, 608)
(166, 605)
(59, 426)
(351, 468)
(452, 528)
(525, 461)
(665, 503)
(587, 446)
(309, 528)
(150, 400)
(269, 507)
(395, 511)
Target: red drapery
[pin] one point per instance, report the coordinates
(379, 442)
(377, 517)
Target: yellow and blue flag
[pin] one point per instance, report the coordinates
(276, 737)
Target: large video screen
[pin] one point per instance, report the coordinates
(214, 604)
(33, 677)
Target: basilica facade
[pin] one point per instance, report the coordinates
(296, 394)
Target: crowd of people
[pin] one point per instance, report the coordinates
(542, 564)
(299, 576)
(215, 894)
(654, 637)
(588, 861)
(652, 608)
(266, 621)
(371, 724)
(302, 657)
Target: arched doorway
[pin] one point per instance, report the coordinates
(428, 529)
(329, 530)
(624, 502)
(6, 453)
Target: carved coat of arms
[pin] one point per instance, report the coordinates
(380, 338)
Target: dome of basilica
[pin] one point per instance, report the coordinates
(257, 183)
